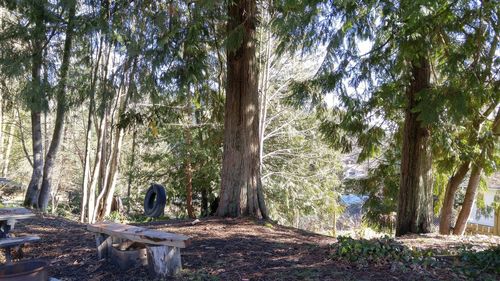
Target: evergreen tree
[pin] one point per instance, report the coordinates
(241, 186)
(411, 44)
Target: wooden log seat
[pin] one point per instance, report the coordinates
(163, 248)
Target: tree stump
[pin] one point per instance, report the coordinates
(164, 261)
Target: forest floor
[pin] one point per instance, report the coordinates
(233, 249)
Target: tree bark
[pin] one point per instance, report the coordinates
(117, 145)
(188, 171)
(86, 170)
(10, 141)
(92, 204)
(2, 127)
(451, 188)
(57, 136)
(31, 198)
(415, 192)
(470, 196)
(97, 173)
(241, 187)
(131, 168)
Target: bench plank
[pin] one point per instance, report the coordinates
(16, 241)
(15, 213)
(140, 234)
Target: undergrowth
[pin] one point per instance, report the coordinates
(387, 251)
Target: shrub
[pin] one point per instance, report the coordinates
(380, 251)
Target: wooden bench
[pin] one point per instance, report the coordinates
(9, 243)
(163, 248)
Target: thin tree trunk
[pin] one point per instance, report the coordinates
(31, 198)
(88, 139)
(264, 86)
(2, 127)
(8, 150)
(113, 173)
(470, 196)
(55, 192)
(415, 192)
(472, 186)
(189, 173)
(455, 181)
(57, 136)
(449, 198)
(96, 173)
(116, 148)
(100, 149)
(86, 169)
(241, 187)
(23, 142)
(187, 159)
(132, 165)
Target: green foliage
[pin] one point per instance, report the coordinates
(378, 252)
(483, 264)
(382, 187)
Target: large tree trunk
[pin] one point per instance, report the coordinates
(51, 156)
(241, 187)
(415, 191)
(449, 197)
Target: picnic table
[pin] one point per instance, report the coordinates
(8, 219)
(163, 248)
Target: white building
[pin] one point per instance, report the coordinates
(491, 196)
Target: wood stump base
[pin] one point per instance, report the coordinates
(164, 261)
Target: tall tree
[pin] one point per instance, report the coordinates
(36, 99)
(62, 105)
(241, 186)
(381, 57)
(475, 73)
(415, 191)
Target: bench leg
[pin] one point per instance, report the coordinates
(8, 255)
(164, 260)
(104, 244)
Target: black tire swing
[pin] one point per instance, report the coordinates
(154, 201)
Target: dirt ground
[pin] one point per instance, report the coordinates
(226, 249)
